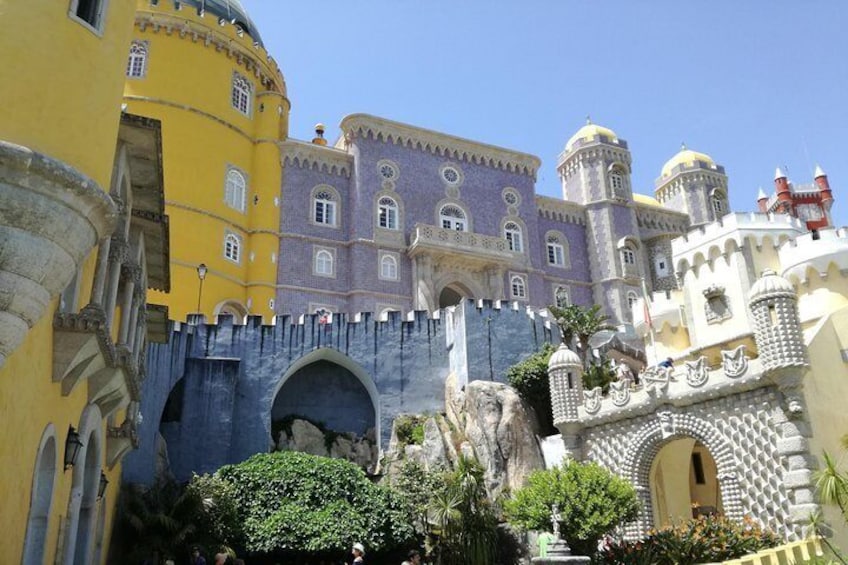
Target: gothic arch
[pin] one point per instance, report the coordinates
(463, 282)
(41, 498)
(342, 360)
(667, 426)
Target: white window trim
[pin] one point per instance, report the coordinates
(632, 298)
(460, 175)
(628, 256)
(396, 210)
(101, 17)
(466, 221)
(515, 245)
(523, 278)
(249, 94)
(382, 311)
(146, 46)
(661, 271)
(562, 244)
(239, 243)
(391, 164)
(239, 206)
(388, 254)
(556, 288)
(337, 205)
(316, 249)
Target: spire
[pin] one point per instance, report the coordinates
(779, 174)
(761, 195)
(683, 146)
(588, 120)
(819, 172)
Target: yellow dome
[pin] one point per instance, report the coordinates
(589, 131)
(686, 157)
(646, 200)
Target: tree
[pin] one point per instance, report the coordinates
(592, 502)
(581, 323)
(832, 487)
(295, 505)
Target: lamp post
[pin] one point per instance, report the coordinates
(201, 274)
(101, 488)
(72, 447)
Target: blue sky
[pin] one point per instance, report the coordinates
(755, 84)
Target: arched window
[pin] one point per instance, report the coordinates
(232, 247)
(324, 208)
(324, 263)
(616, 181)
(41, 499)
(387, 213)
(561, 298)
(719, 203)
(234, 190)
(388, 267)
(512, 233)
(242, 94)
(518, 286)
(453, 218)
(557, 255)
(628, 256)
(137, 63)
(632, 298)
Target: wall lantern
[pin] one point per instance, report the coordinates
(72, 447)
(101, 488)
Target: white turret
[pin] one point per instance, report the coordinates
(777, 327)
(565, 375)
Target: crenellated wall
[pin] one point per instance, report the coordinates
(233, 373)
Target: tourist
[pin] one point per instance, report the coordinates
(358, 552)
(412, 558)
(667, 364)
(196, 558)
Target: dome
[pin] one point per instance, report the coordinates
(230, 10)
(589, 131)
(686, 157)
(770, 285)
(564, 358)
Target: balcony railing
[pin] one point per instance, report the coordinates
(427, 238)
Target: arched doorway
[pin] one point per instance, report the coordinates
(333, 393)
(684, 482)
(452, 294)
(43, 479)
(82, 508)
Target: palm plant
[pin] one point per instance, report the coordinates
(580, 323)
(832, 487)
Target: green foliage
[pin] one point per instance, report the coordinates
(298, 504)
(219, 519)
(591, 500)
(706, 539)
(599, 375)
(416, 487)
(580, 323)
(832, 487)
(530, 379)
(410, 429)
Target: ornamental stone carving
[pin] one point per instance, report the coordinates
(735, 362)
(51, 216)
(696, 372)
(592, 400)
(620, 392)
(657, 380)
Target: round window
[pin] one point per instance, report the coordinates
(450, 175)
(510, 198)
(387, 171)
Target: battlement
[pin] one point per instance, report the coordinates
(561, 210)
(816, 251)
(664, 309)
(733, 231)
(213, 30)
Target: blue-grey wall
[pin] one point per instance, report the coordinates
(233, 375)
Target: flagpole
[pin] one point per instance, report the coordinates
(648, 320)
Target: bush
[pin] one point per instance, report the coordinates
(530, 379)
(706, 539)
(591, 500)
(293, 504)
(410, 429)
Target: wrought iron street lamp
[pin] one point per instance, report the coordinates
(201, 274)
(72, 447)
(101, 488)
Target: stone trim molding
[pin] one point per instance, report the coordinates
(192, 109)
(316, 157)
(443, 145)
(51, 217)
(561, 210)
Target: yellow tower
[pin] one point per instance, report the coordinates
(200, 67)
(82, 235)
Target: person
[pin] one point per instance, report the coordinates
(358, 553)
(196, 558)
(667, 364)
(412, 558)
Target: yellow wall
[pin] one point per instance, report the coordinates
(188, 86)
(673, 486)
(65, 98)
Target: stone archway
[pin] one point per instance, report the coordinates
(452, 294)
(659, 431)
(82, 507)
(41, 499)
(683, 482)
(327, 386)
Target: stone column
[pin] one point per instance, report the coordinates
(101, 272)
(129, 273)
(137, 304)
(117, 255)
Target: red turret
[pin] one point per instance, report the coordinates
(784, 195)
(824, 188)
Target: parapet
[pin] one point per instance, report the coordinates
(815, 252)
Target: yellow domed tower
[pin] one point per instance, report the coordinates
(200, 67)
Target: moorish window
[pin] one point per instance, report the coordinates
(235, 189)
(232, 247)
(324, 208)
(556, 250)
(452, 217)
(137, 63)
(242, 94)
(518, 286)
(387, 213)
(512, 233)
(388, 267)
(324, 263)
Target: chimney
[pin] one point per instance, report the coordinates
(319, 135)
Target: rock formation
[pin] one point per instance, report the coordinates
(306, 437)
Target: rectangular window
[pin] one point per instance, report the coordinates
(628, 256)
(698, 469)
(325, 212)
(555, 254)
(89, 11)
(242, 94)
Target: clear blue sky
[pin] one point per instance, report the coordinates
(755, 84)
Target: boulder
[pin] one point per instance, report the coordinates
(305, 437)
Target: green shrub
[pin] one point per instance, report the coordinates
(591, 500)
(530, 379)
(706, 539)
(410, 429)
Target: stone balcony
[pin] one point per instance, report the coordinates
(471, 247)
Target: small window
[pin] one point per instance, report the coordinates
(628, 256)
(453, 218)
(242, 94)
(324, 208)
(137, 63)
(698, 469)
(89, 11)
(235, 189)
(556, 251)
(632, 298)
(388, 267)
(324, 263)
(518, 286)
(719, 206)
(387, 213)
(561, 299)
(512, 233)
(662, 266)
(232, 247)
(617, 182)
